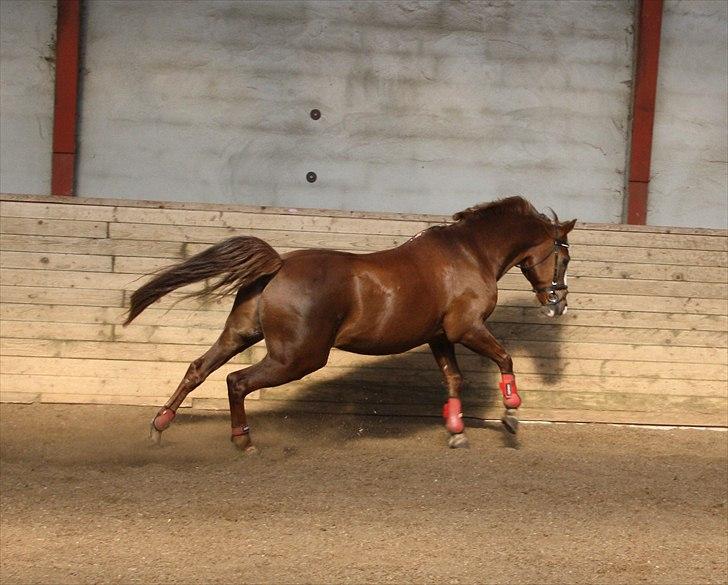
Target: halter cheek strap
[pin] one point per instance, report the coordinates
(553, 298)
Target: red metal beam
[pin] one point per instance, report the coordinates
(643, 109)
(68, 30)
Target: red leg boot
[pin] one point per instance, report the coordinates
(511, 400)
(452, 412)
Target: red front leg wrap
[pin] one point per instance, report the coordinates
(453, 415)
(508, 388)
(164, 418)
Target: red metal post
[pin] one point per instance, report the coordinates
(643, 110)
(68, 29)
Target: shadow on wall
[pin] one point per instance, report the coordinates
(411, 384)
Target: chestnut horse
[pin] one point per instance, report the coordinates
(437, 288)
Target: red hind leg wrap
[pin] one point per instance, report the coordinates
(453, 415)
(240, 431)
(508, 388)
(164, 418)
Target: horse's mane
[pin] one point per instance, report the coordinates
(506, 207)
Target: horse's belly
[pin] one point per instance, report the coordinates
(375, 347)
(371, 340)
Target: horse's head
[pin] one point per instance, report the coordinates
(545, 264)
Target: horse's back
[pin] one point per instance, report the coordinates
(379, 303)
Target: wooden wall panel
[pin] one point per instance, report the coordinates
(645, 341)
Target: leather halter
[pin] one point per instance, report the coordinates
(552, 298)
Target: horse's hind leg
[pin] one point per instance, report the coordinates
(267, 373)
(240, 332)
(444, 353)
(228, 345)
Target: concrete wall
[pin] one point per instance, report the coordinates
(27, 29)
(427, 106)
(689, 186)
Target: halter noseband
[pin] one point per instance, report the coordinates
(552, 298)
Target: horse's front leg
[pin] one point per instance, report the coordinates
(444, 352)
(481, 340)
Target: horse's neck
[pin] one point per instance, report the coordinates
(504, 244)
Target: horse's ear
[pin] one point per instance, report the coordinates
(566, 227)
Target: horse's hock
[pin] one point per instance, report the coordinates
(645, 340)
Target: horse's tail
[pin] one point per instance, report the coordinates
(238, 261)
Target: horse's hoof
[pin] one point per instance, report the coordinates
(457, 441)
(510, 422)
(155, 436)
(249, 451)
(243, 444)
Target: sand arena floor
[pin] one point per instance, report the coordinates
(352, 499)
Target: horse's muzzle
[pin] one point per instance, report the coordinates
(554, 305)
(556, 310)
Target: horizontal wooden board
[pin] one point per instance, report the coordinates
(216, 319)
(215, 218)
(330, 385)
(45, 330)
(690, 418)
(703, 362)
(64, 314)
(71, 279)
(291, 239)
(108, 350)
(245, 221)
(620, 255)
(57, 211)
(53, 227)
(197, 206)
(526, 299)
(166, 232)
(698, 274)
(544, 399)
(96, 246)
(649, 240)
(614, 286)
(507, 332)
(577, 285)
(634, 271)
(61, 296)
(628, 303)
(53, 261)
(119, 398)
(399, 369)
